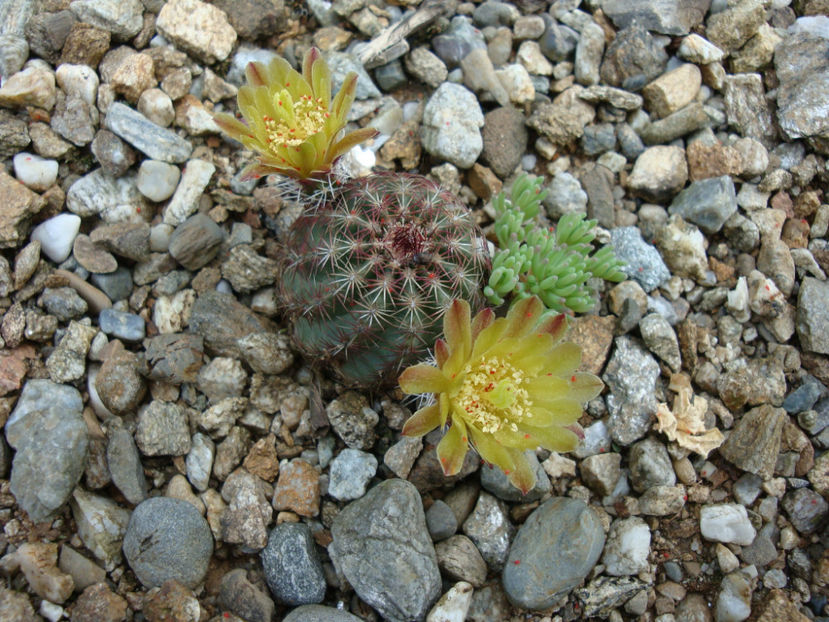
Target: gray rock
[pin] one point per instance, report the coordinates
(123, 18)
(460, 560)
(196, 241)
(454, 44)
(489, 528)
(291, 565)
(168, 539)
(813, 315)
(426, 67)
(553, 552)
(352, 420)
(122, 325)
(125, 466)
(153, 140)
(762, 551)
(46, 33)
(601, 472)
(199, 461)
(441, 521)
(451, 122)
(14, 134)
(340, 64)
(113, 154)
(630, 376)
(663, 16)
(198, 28)
(597, 181)
(62, 302)
(689, 119)
(558, 40)
(604, 594)
(388, 77)
(633, 58)
(50, 458)
(661, 339)
(382, 547)
(642, 262)
(589, 54)
(41, 396)
(800, 62)
(318, 613)
(101, 525)
(351, 471)
(223, 321)
(564, 195)
(244, 599)
(650, 465)
(726, 522)
(805, 396)
(116, 285)
(754, 442)
(494, 13)
(707, 203)
(74, 119)
(493, 480)
(731, 28)
(185, 200)
(806, 509)
(247, 271)
(598, 138)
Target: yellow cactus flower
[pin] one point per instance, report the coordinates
(505, 385)
(290, 119)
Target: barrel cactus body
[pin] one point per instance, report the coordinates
(366, 276)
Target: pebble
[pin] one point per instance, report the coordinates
(532, 57)
(726, 522)
(460, 560)
(457, 41)
(67, 362)
(35, 172)
(601, 472)
(297, 488)
(642, 262)
(116, 285)
(754, 442)
(806, 509)
(119, 384)
(340, 65)
(504, 138)
(33, 86)
(426, 67)
(62, 302)
(78, 81)
(451, 122)
(633, 58)
(734, 600)
(673, 90)
(564, 196)
(57, 235)
(812, 316)
(112, 199)
(707, 203)
(489, 528)
(630, 376)
(101, 525)
(123, 18)
(452, 606)
(113, 154)
(168, 539)
(37, 561)
(196, 241)
(125, 466)
(292, 568)
(589, 51)
(92, 257)
(162, 430)
(553, 552)
(494, 481)
(352, 420)
(198, 28)
(441, 521)
(318, 613)
(199, 461)
(627, 547)
(126, 326)
(185, 200)
(350, 474)
(151, 139)
(249, 512)
(382, 547)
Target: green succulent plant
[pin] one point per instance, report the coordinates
(554, 264)
(367, 275)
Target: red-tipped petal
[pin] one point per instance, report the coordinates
(584, 387)
(349, 140)
(256, 74)
(345, 96)
(481, 321)
(441, 352)
(457, 330)
(452, 448)
(230, 125)
(522, 476)
(523, 316)
(555, 325)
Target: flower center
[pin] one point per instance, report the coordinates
(302, 118)
(493, 395)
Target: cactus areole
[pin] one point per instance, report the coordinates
(367, 276)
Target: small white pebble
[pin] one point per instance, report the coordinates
(157, 180)
(51, 611)
(56, 235)
(35, 172)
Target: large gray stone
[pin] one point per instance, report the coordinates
(707, 203)
(155, 141)
(813, 315)
(451, 125)
(668, 17)
(553, 552)
(382, 546)
(292, 568)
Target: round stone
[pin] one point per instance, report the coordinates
(168, 539)
(56, 236)
(35, 172)
(157, 180)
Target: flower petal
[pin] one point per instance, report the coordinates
(320, 79)
(488, 337)
(564, 359)
(554, 438)
(255, 170)
(523, 316)
(423, 378)
(256, 74)
(457, 330)
(482, 320)
(553, 411)
(231, 125)
(441, 352)
(349, 140)
(452, 447)
(345, 97)
(523, 476)
(491, 450)
(423, 421)
(584, 387)
(555, 325)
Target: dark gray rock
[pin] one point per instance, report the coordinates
(630, 376)
(318, 613)
(223, 322)
(441, 521)
(390, 76)
(633, 58)
(747, 109)
(488, 526)
(806, 509)
(707, 203)
(554, 550)
(505, 140)
(664, 16)
(62, 302)
(196, 241)
(803, 70)
(153, 140)
(558, 40)
(459, 40)
(598, 138)
(676, 125)
(641, 261)
(292, 567)
(813, 315)
(167, 539)
(116, 285)
(805, 396)
(382, 547)
(46, 33)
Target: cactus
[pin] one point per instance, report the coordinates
(367, 275)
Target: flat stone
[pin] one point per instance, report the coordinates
(112, 199)
(125, 466)
(196, 241)
(153, 140)
(318, 613)
(707, 203)
(185, 201)
(18, 205)
(243, 598)
(689, 119)
(382, 546)
(552, 553)
(754, 442)
(125, 239)
(660, 16)
(123, 18)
